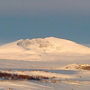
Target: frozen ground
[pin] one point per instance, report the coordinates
(60, 78)
(44, 64)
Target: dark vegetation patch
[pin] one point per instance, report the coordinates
(85, 67)
(10, 76)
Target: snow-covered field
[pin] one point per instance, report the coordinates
(70, 77)
(44, 64)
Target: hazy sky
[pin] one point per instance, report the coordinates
(68, 19)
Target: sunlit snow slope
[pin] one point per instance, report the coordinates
(50, 48)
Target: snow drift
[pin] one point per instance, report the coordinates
(50, 48)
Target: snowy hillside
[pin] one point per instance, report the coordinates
(43, 49)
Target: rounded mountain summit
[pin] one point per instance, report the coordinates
(50, 48)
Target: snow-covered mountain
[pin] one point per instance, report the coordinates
(50, 48)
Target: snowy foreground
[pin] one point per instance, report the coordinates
(69, 77)
(44, 64)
